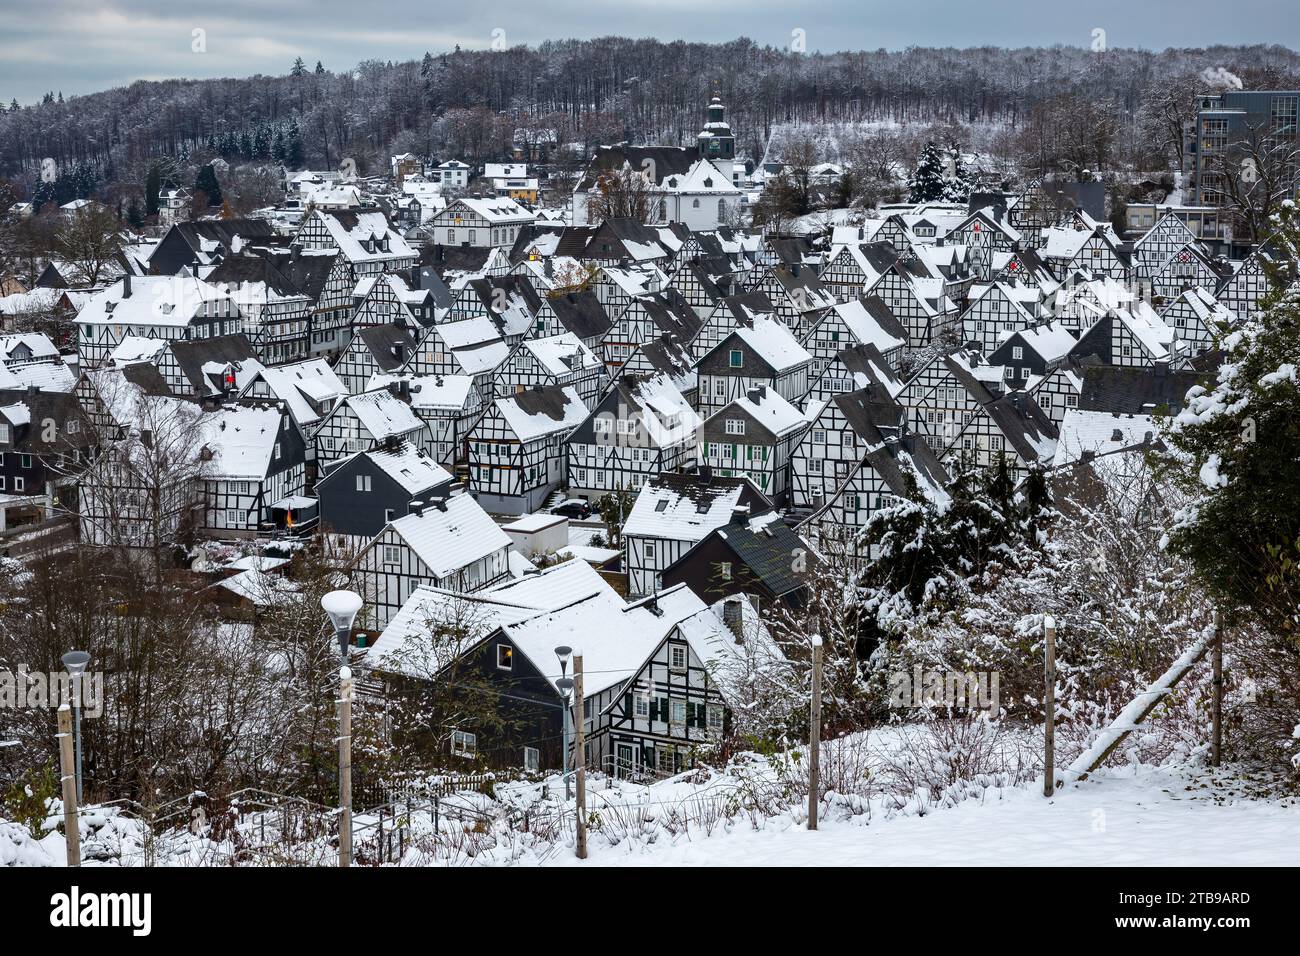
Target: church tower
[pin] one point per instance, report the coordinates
(716, 143)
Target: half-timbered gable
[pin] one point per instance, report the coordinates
(208, 370)
(1074, 246)
(645, 318)
(864, 320)
(704, 283)
(449, 405)
(1058, 391)
(556, 360)
(1248, 285)
(675, 511)
(366, 240)
(1011, 428)
(752, 436)
(996, 310)
(275, 311)
(1132, 337)
(667, 356)
(762, 558)
(798, 296)
(327, 278)
(374, 349)
(985, 236)
(448, 543)
(616, 286)
(641, 428)
(364, 421)
(1187, 268)
(918, 302)
(891, 466)
(1198, 319)
(854, 268)
(859, 366)
(472, 347)
(1161, 243)
(943, 396)
(836, 440)
(510, 302)
(580, 313)
(765, 354)
(516, 449)
(734, 311)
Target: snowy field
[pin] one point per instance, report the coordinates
(754, 814)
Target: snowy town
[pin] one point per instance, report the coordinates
(745, 469)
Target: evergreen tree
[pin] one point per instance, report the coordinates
(320, 70)
(299, 68)
(927, 183)
(206, 183)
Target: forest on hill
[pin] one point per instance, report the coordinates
(473, 104)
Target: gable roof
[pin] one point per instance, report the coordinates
(451, 536)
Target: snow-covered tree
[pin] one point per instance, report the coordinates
(927, 183)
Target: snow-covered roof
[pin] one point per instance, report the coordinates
(498, 210)
(412, 468)
(774, 344)
(767, 407)
(682, 509)
(865, 328)
(383, 414)
(299, 384)
(1099, 433)
(562, 354)
(172, 301)
(542, 411)
(451, 537)
(241, 440)
(429, 391)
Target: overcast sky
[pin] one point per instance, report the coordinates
(81, 46)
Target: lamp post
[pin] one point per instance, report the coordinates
(76, 663)
(565, 684)
(342, 608)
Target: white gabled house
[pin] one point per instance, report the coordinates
(752, 437)
(368, 420)
(449, 543)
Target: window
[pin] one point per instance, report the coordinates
(715, 717)
(735, 426)
(363, 482)
(737, 358)
(641, 705)
(677, 657)
(846, 439)
(233, 518)
(678, 713)
(650, 550)
(505, 657)
(532, 759)
(666, 760)
(463, 743)
(1017, 352)
(392, 554)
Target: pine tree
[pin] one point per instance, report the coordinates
(206, 182)
(927, 183)
(320, 70)
(299, 68)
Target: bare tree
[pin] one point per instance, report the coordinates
(1253, 176)
(90, 242)
(624, 193)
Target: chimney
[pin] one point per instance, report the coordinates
(705, 474)
(739, 512)
(126, 286)
(734, 617)
(548, 268)
(399, 351)
(440, 504)
(756, 394)
(415, 508)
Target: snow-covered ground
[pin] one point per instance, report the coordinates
(1134, 817)
(754, 814)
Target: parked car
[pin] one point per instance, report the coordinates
(572, 508)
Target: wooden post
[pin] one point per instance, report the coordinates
(1049, 706)
(71, 829)
(1216, 744)
(815, 734)
(345, 766)
(579, 758)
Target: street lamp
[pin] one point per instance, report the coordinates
(76, 663)
(342, 608)
(565, 685)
